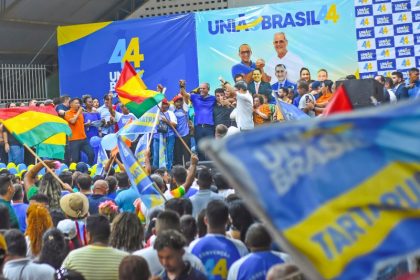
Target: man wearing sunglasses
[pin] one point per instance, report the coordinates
(283, 56)
(246, 65)
(6, 194)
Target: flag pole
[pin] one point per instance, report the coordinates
(45, 165)
(177, 133)
(155, 122)
(110, 166)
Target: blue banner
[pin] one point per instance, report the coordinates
(162, 49)
(341, 194)
(387, 28)
(319, 35)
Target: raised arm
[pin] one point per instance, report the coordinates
(30, 176)
(183, 92)
(191, 172)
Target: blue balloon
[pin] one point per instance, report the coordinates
(95, 141)
(22, 167)
(13, 171)
(109, 141)
(2, 165)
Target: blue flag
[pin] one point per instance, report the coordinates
(101, 160)
(142, 125)
(162, 151)
(141, 148)
(340, 194)
(291, 112)
(138, 178)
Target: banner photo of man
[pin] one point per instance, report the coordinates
(280, 37)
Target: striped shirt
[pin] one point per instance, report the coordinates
(95, 262)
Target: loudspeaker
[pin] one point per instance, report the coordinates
(361, 92)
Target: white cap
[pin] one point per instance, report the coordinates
(68, 228)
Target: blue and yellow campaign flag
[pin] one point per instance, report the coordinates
(144, 124)
(101, 160)
(162, 151)
(291, 112)
(340, 194)
(141, 148)
(149, 195)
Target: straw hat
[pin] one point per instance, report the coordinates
(75, 205)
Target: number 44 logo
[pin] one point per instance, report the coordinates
(123, 53)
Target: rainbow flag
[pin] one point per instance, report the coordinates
(134, 94)
(38, 127)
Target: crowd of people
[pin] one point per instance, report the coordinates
(90, 225)
(191, 116)
(93, 228)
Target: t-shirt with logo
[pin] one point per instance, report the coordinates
(255, 265)
(217, 253)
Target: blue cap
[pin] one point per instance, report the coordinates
(316, 84)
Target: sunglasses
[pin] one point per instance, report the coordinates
(279, 42)
(245, 52)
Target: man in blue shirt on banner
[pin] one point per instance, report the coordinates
(246, 65)
(256, 265)
(216, 251)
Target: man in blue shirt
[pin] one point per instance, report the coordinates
(64, 106)
(256, 265)
(400, 90)
(125, 195)
(20, 207)
(246, 65)
(413, 83)
(181, 154)
(203, 104)
(215, 250)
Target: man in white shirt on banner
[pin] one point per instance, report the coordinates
(283, 56)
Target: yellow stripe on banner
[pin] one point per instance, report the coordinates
(136, 87)
(250, 25)
(29, 120)
(352, 225)
(68, 34)
(58, 139)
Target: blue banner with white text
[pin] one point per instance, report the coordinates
(341, 194)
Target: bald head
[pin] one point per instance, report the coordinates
(100, 187)
(284, 271)
(280, 44)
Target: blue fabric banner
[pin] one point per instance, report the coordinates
(162, 49)
(341, 194)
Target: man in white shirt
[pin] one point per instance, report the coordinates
(292, 62)
(167, 220)
(244, 105)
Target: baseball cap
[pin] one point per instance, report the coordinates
(316, 84)
(68, 228)
(177, 97)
